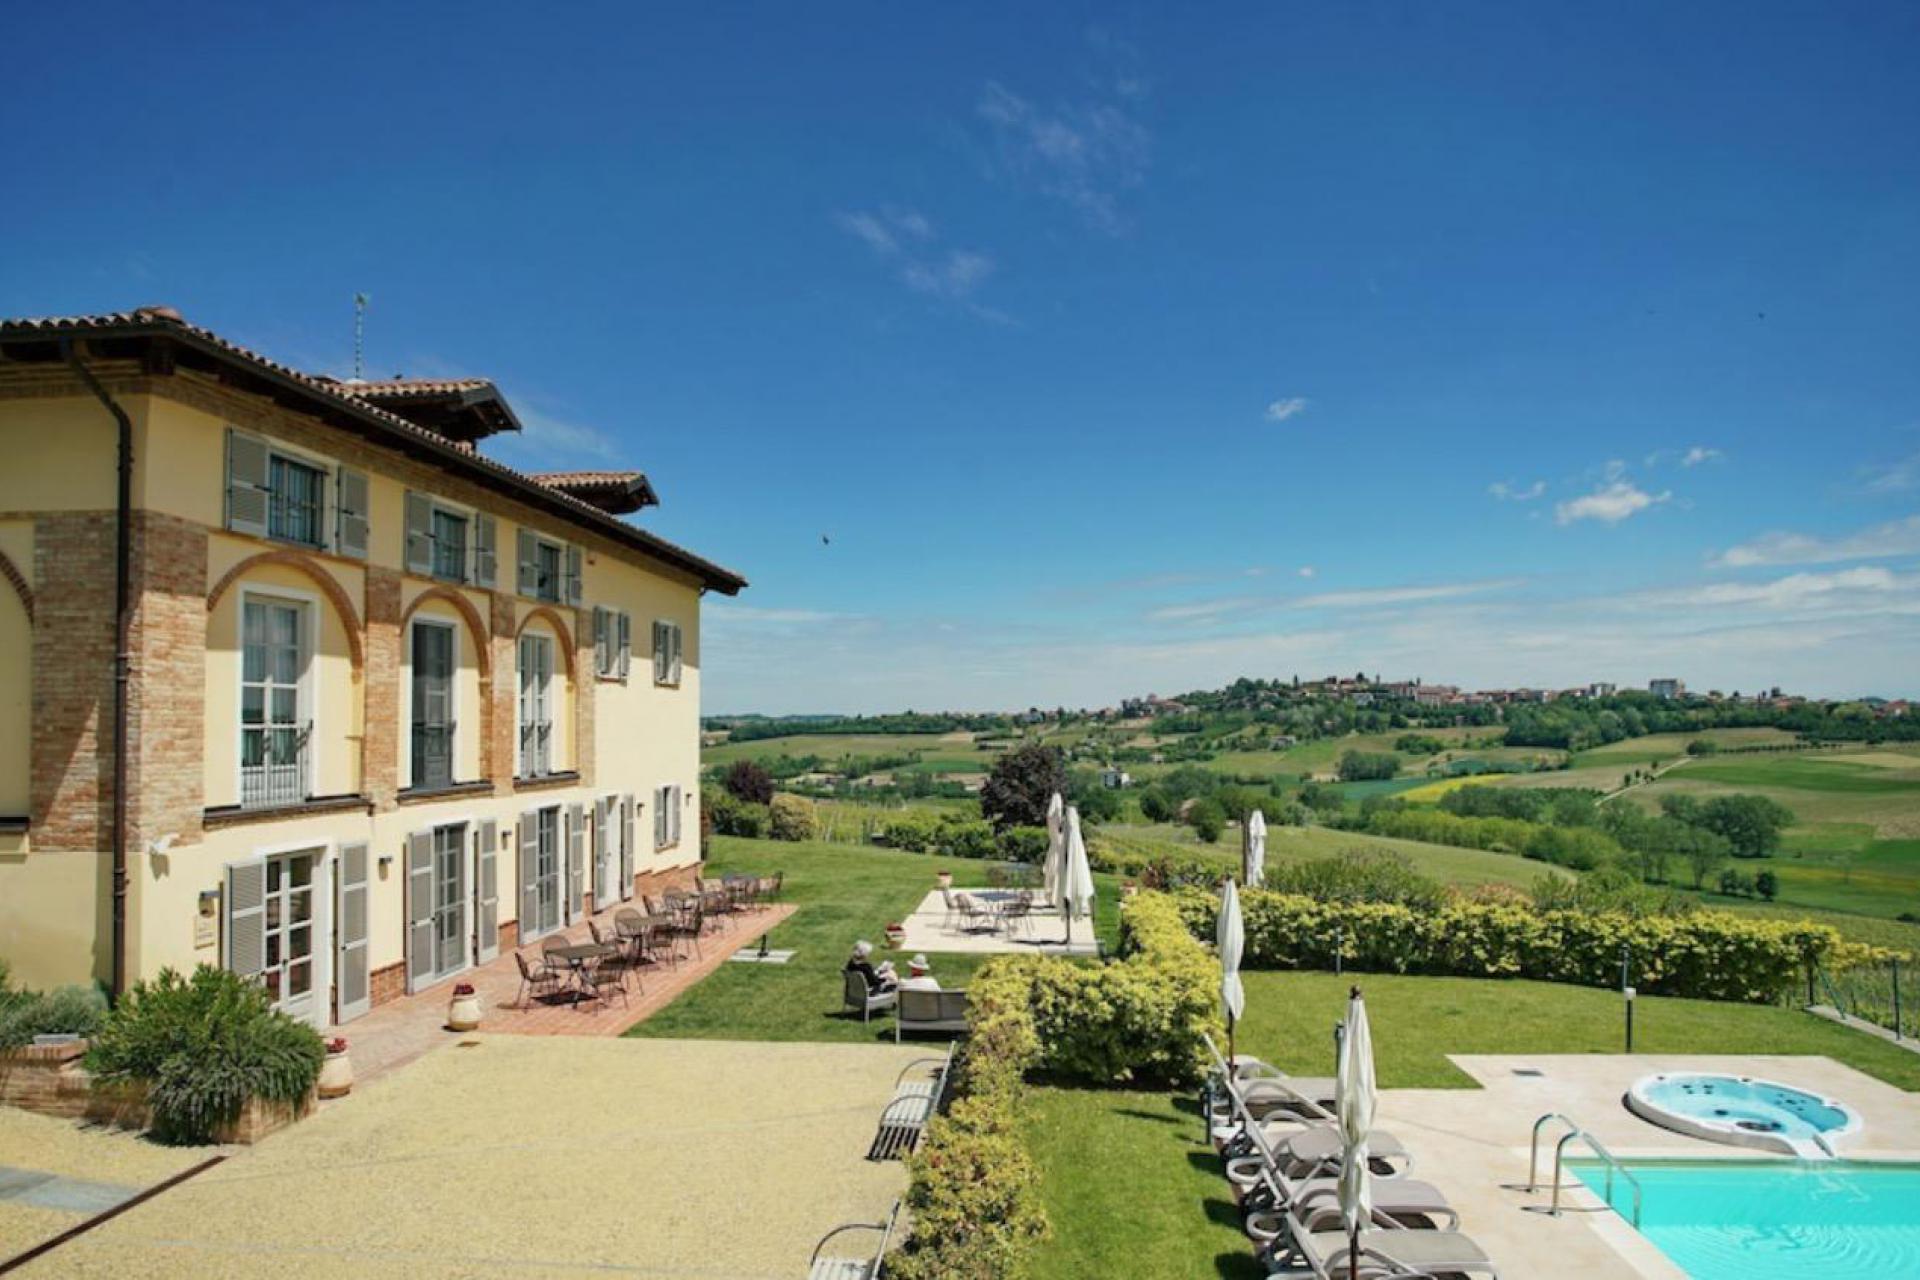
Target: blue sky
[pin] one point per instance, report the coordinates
(1115, 350)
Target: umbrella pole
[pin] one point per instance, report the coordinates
(1231, 1065)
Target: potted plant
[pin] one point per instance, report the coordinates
(1128, 888)
(336, 1070)
(896, 935)
(463, 1014)
(945, 879)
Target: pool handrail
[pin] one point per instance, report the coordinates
(1533, 1148)
(1607, 1157)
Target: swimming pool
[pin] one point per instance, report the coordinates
(1744, 1111)
(1728, 1219)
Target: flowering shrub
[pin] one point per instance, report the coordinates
(1709, 954)
(791, 818)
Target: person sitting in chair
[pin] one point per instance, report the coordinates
(879, 979)
(919, 977)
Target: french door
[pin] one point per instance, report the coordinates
(536, 706)
(290, 928)
(273, 731)
(546, 868)
(432, 705)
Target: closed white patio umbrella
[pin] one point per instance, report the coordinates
(1256, 868)
(1231, 937)
(1056, 845)
(1074, 893)
(1353, 1108)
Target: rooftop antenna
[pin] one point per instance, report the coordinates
(359, 336)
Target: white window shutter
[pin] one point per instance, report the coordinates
(602, 647)
(419, 533)
(487, 870)
(529, 884)
(659, 817)
(246, 902)
(575, 880)
(420, 949)
(625, 659)
(529, 583)
(486, 555)
(350, 514)
(247, 483)
(354, 978)
(626, 846)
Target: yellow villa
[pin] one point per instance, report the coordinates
(294, 679)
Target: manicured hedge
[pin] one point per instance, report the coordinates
(975, 1190)
(1709, 954)
(953, 836)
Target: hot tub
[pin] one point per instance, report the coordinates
(1744, 1112)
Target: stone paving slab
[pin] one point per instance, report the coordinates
(929, 929)
(70, 1195)
(539, 1156)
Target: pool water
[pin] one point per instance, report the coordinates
(1722, 1219)
(1756, 1105)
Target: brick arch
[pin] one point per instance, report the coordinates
(482, 640)
(19, 583)
(560, 630)
(309, 567)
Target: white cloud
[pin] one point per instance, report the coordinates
(906, 240)
(1610, 503)
(1085, 154)
(547, 442)
(1796, 591)
(1306, 571)
(727, 613)
(1374, 597)
(1892, 477)
(1290, 407)
(1895, 538)
(1699, 454)
(1517, 493)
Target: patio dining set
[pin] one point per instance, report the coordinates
(663, 930)
(996, 911)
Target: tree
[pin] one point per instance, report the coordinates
(1020, 785)
(1207, 819)
(1766, 884)
(748, 780)
(1751, 824)
(792, 818)
(1704, 851)
(1096, 801)
(1360, 766)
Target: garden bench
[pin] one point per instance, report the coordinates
(904, 1119)
(865, 1267)
(930, 1011)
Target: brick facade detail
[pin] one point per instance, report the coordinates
(167, 697)
(71, 788)
(505, 694)
(388, 983)
(380, 747)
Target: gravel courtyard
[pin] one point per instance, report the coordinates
(543, 1157)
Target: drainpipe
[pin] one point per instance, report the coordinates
(122, 658)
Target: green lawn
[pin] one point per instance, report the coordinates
(1418, 1021)
(844, 893)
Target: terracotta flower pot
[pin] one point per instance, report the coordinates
(945, 879)
(336, 1076)
(463, 1014)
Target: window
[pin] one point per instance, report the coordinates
(540, 888)
(274, 729)
(549, 570)
(536, 706)
(297, 504)
(449, 897)
(433, 724)
(666, 652)
(666, 817)
(449, 545)
(612, 643)
(289, 934)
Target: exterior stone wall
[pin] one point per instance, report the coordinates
(51, 1082)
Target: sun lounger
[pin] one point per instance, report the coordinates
(1315, 1150)
(1397, 1202)
(1263, 1089)
(861, 1267)
(1390, 1253)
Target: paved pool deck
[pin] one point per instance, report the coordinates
(537, 1156)
(1473, 1144)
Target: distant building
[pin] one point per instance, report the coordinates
(1115, 779)
(1602, 689)
(1667, 687)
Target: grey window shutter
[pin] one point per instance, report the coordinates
(576, 857)
(602, 844)
(355, 994)
(350, 514)
(529, 886)
(624, 661)
(679, 808)
(419, 533)
(574, 583)
(420, 957)
(659, 817)
(626, 846)
(486, 554)
(602, 649)
(659, 652)
(246, 899)
(673, 667)
(487, 870)
(529, 584)
(247, 483)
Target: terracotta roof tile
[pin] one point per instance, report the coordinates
(162, 319)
